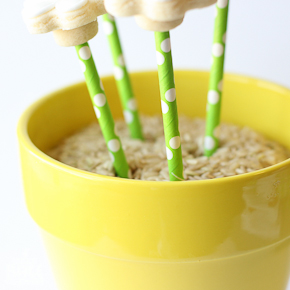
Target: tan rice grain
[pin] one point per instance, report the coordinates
(241, 150)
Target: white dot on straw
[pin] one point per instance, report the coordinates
(128, 117)
(108, 27)
(83, 66)
(85, 53)
(164, 107)
(100, 100)
(112, 157)
(132, 104)
(225, 37)
(209, 143)
(114, 145)
(101, 85)
(118, 73)
(166, 45)
(169, 154)
(213, 97)
(174, 142)
(220, 85)
(217, 49)
(170, 95)
(97, 112)
(222, 3)
(121, 60)
(160, 58)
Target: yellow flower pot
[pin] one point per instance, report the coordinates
(108, 233)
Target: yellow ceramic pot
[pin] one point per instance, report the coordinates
(107, 233)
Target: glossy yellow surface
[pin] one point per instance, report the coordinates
(107, 233)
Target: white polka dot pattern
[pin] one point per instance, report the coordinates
(213, 97)
(132, 104)
(83, 66)
(164, 107)
(118, 73)
(166, 45)
(85, 53)
(100, 100)
(174, 142)
(108, 27)
(217, 49)
(169, 106)
(114, 145)
(102, 110)
(209, 143)
(101, 85)
(129, 118)
(169, 154)
(160, 58)
(97, 112)
(121, 60)
(222, 3)
(170, 95)
(122, 77)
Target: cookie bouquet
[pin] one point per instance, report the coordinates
(109, 233)
(74, 23)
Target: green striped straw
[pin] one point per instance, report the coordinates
(102, 110)
(128, 100)
(168, 105)
(211, 141)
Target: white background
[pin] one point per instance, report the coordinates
(33, 65)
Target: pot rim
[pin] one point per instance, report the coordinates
(40, 155)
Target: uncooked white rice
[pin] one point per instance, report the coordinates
(241, 150)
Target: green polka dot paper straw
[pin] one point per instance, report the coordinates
(102, 110)
(214, 96)
(168, 105)
(128, 100)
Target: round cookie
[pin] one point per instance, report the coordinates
(155, 15)
(72, 21)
